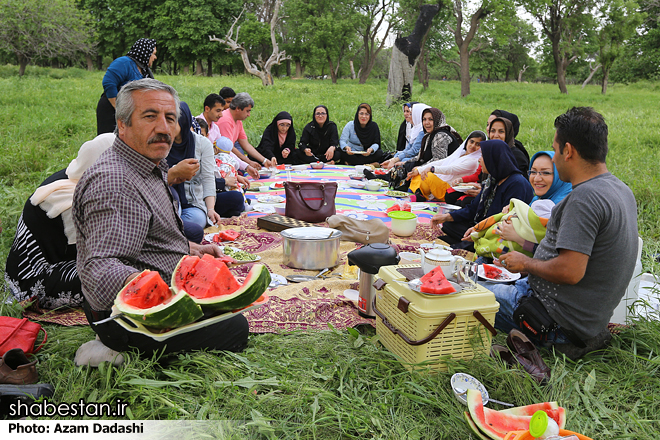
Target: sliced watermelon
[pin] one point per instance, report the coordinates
(529, 410)
(474, 428)
(226, 235)
(492, 272)
(211, 279)
(435, 282)
(150, 301)
(496, 424)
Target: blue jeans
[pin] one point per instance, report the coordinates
(194, 215)
(509, 296)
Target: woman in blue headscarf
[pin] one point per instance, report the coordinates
(193, 152)
(505, 182)
(545, 179)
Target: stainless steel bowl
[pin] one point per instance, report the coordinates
(312, 248)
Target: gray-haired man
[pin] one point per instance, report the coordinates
(126, 221)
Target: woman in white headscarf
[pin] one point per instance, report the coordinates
(42, 261)
(415, 142)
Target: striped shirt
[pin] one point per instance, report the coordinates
(126, 222)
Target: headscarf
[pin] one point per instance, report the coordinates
(515, 122)
(405, 129)
(140, 52)
(56, 198)
(417, 128)
(500, 163)
(183, 150)
(439, 123)
(508, 130)
(370, 133)
(559, 189)
(272, 134)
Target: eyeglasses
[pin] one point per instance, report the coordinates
(532, 173)
(363, 114)
(320, 114)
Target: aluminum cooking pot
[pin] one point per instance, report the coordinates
(312, 248)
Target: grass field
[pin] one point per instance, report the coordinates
(335, 384)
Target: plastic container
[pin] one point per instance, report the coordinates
(418, 327)
(543, 427)
(404, 223)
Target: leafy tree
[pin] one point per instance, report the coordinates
(565, 24)
(378, 15)
(621, 19)
(43, 28)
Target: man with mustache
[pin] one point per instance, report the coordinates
(126, 222)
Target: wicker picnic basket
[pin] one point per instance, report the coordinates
(431, 328)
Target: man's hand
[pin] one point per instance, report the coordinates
(243, 180)
(252, 171)
(183, 171)
(255, 165)
(329, 154)
(285, 153)
(271, 163)
(349, 151)
(198, 250)
(568, 267)
(441, 218)
(513, 261)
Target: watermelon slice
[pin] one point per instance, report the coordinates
(492, 272)
(226, 235)
(474, 428)
(213, 287)
(150, 301)
(496, 424)
(436, 283)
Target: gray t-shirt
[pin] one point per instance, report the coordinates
(599, 219)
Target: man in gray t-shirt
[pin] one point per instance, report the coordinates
(582, 267)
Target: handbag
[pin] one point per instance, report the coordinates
(535, 321)
(19, 333)
(360, 231)
(311, 202)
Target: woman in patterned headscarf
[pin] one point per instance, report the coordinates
(136, 64)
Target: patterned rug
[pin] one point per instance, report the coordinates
(67, 317)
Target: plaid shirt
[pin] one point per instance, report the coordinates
(126, 222)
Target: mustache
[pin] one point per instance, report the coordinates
(161, 137)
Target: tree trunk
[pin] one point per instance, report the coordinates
(299, 69)
(22, 64)
(591, 75)
(199, 69)
(350, 63)
(405, 52)
(90, 62)
(423, 68)
(333, 74)
(288, 68)
(186, 69)
(209, 67)
(224, 70)
(606, 76)
(464, 57)
(559, 65)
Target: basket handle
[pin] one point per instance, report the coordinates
(423, 341)
(485, 322)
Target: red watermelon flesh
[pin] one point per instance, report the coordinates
(529, 410)
(435, 282)
(492, 272)
(184, 271)
(147, 290)
(212, 278)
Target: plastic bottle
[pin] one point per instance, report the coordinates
(543, 427)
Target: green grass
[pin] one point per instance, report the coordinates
(335, 384)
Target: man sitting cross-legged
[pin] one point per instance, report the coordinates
(126, 222)
(582, 267)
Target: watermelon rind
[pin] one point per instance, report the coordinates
(474, 428)
(255, 284)
(179, 311)
(476, 408)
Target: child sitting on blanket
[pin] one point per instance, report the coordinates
(226, 161)
(528, 222)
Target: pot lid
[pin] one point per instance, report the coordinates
(401, 215)
(311, 233)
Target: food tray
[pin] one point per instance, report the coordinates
(134, 326)
(417, 317)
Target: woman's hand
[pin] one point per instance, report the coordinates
(308, 152)
(272, 162)
(457, 181)
(329, 154)
(182, 171)
(230, 181)
(252, 172)
(285, 153)
(388, 164)
(468, 234)
(243, 180)
(413, 173)
(474, 192)
(214, 216)
(349, 151)
(441, 218)
(505, 210)
(370, 151)
(506, 230)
